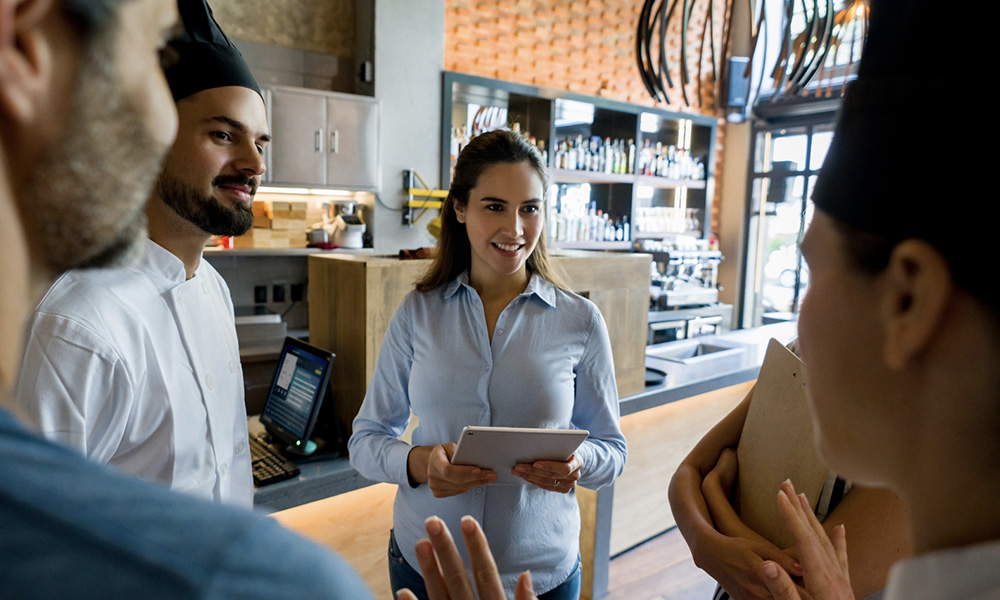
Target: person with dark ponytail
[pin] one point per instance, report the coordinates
(490, 336)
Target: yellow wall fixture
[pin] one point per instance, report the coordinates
(413, 193)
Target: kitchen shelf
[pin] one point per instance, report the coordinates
(616, 245)
(216, 251)
(658, 235)
(666, 183)
(575, 176)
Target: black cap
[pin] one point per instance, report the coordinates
(207, 58)
(906, 149)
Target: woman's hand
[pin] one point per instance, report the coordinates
(432, 465)
(551, 475)
(824, 561)
(734, 553)
(444, 572)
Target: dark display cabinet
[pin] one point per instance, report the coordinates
(620, 172)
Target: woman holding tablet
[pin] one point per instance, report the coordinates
(489, 338)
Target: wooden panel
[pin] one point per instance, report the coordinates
(625, 310)
(658, 440)
(355, 525)
(587, 500)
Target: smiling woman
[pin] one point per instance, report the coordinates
(487, 338)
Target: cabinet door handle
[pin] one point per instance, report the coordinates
(318, 140)
(335, 141)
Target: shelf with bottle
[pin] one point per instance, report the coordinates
(594, 155)
(461, 136)
(574, 219)
(665, 161)
(476, 109)
(661, 221)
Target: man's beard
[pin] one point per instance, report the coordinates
(87, 196)
(206, 212)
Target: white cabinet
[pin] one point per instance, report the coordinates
(323, 139)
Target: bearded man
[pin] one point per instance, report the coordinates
(138, 366)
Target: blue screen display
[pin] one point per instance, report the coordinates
(296, 389)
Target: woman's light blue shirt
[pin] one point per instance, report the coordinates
(549, 365)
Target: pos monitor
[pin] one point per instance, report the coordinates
(296, 394)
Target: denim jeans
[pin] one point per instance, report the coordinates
(402, 575)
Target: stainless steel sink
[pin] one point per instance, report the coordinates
(693, 351)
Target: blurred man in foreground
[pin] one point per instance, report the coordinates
(138, 366)
(85, 119)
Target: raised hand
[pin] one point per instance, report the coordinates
(444, 572)
(824, 560)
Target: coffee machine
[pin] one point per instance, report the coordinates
(683, 289)
(342, 221)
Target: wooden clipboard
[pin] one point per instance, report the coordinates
(777, 443)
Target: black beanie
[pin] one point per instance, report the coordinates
(207, 58)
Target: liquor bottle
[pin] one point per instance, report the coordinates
(631, 157)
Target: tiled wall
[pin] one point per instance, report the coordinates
(321, 26)
(300, 43)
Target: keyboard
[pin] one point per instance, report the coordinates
(268, 466)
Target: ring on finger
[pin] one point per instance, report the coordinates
(555, 483)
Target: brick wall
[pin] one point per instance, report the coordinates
(585, 46)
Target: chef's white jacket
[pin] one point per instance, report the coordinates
(139, 368)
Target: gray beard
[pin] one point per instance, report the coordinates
(86, 197)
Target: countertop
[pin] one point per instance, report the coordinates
(684, 380)
(324, 478)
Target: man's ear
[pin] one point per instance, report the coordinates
(25, 60)
(916, 294)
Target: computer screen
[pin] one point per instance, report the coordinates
(297, 391)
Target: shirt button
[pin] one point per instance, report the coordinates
(239, 448)
(499, 331)
(210, 382)
(223, 470)
(479, 490)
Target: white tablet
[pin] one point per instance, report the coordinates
(500, 448)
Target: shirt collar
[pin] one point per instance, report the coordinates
(162, 266)
(538, 287)
(967, 572)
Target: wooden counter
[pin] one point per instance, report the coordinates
(352, 299)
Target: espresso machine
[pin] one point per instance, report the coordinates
(683, 289)
(343, 224)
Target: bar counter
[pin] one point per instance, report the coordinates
(322, 479)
